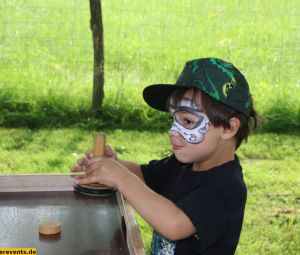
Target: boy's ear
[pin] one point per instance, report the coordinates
(234, 127)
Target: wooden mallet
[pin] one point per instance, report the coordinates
(95, 189)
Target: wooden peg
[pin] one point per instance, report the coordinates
(96, 189)
(99, 144)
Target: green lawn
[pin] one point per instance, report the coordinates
(271, 170)
(46, 55)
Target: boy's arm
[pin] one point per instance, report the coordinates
(132, 167)
(161, 213)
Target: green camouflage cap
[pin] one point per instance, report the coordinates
(217, 78)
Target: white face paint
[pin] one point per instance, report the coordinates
(189, 121)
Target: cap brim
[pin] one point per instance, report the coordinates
(157, 95)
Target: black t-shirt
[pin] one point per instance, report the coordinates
(214, 200)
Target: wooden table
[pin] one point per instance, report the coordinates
(90, 225)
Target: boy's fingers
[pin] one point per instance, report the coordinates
(108, 151)
(93, 161)
(89, 154)
(93, 166)
(76, 169)
(81, 161)
(85, 180)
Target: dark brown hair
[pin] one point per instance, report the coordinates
(220, 114)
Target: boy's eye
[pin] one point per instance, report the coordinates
(186, 119)
(188, 123)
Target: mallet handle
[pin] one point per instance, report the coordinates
(99, 144)
(99, 151)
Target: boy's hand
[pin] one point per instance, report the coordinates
(105, 170)
(81, 163)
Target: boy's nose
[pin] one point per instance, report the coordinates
(174, 133)
(175, 137)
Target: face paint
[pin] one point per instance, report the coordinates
(189, 122)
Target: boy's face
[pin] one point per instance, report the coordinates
(193, 137)
(190, 121)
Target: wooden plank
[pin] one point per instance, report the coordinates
(64, 182)
(90, 225)
(135, 244)
(36, 182)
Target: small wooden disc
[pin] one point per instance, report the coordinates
(95, 186)
(49, 227)
(87, 189)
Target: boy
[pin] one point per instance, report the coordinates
(195, 198)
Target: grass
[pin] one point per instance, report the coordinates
(46, 56)
(271, 171)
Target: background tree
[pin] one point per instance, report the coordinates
(97, 33)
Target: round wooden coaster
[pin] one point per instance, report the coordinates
(49, 227)
(95, 186)
(92, 190)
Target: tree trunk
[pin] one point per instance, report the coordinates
(97, 32)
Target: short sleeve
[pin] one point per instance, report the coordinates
(156, 172)
(206, 208)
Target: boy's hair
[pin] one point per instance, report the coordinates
(219, 114)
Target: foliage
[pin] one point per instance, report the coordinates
(46, 58)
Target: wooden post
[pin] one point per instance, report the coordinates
(97, 32)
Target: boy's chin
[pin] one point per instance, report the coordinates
(182, 159)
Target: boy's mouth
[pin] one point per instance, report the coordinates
(176, 147)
